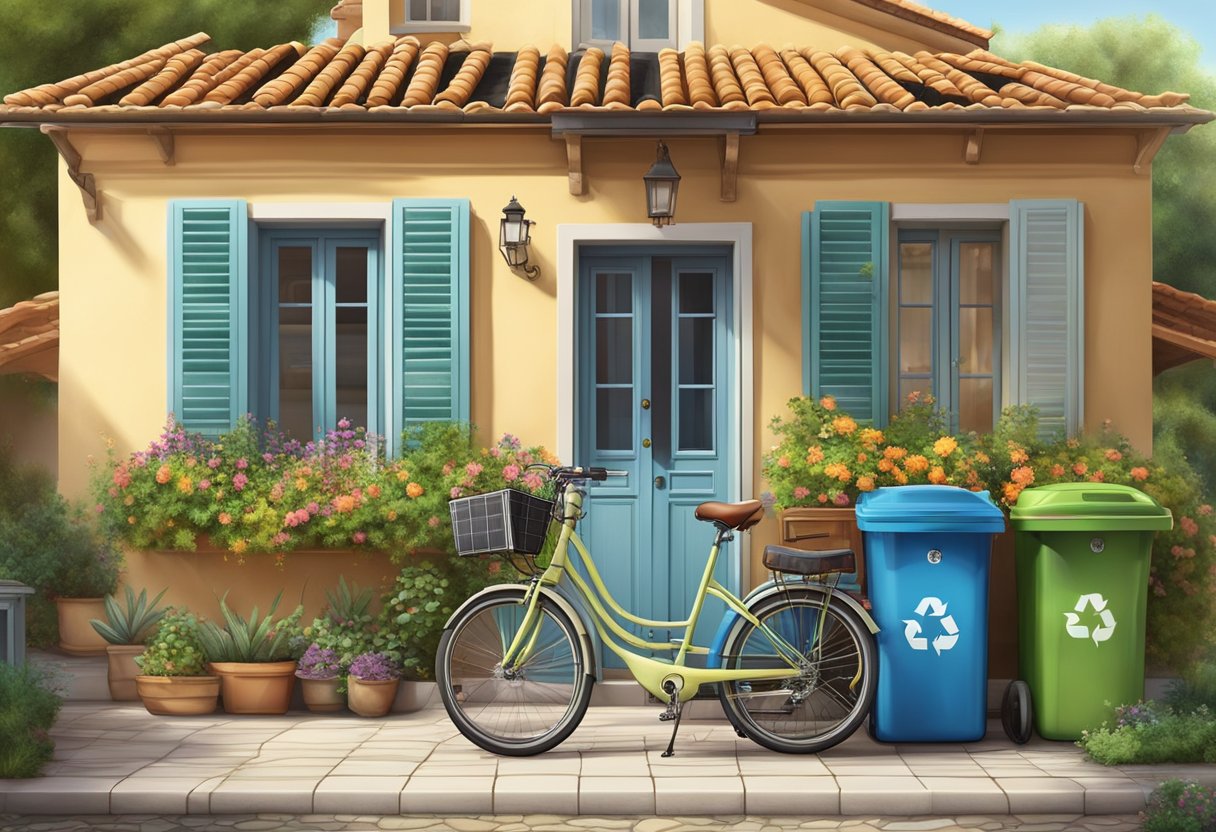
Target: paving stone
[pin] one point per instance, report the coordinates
(1032, 795)
(471, 824)
(616, 795)
(530, 792)
(777, 795)
(712, 795)
(889, 795)
(655, 825)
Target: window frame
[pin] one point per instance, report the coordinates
(686, 22)
(464, 24)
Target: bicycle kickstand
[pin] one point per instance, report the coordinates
(676, 706)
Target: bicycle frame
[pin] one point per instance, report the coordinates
(653, 674)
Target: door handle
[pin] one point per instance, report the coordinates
(660, 482)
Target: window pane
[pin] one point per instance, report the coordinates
(295, 372)
(614, 350)
(696, 420)
(915, 340)
(916, 273)
(696, 293)
(975, 339)
(614, 419)
(350, 364)
(975, 404)
(976, 273)
(924, 386)
(445, 10)
(295, 275)
(654, 19)
(614, 293)
(606, 19)
(352, 274)
(418, 10)
(696, 351)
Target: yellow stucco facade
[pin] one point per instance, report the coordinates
(113, 282)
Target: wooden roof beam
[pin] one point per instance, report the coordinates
(84, 181)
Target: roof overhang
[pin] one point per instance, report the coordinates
(1184, 327)
(29, 337)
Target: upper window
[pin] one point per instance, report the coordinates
(436, 16)
(645, 25)
(947, 319)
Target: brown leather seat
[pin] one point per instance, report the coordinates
(738, 516)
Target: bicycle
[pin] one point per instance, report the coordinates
(794, 662)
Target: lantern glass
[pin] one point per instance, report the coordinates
(514, 234)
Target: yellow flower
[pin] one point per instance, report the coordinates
(129, 500)
(871, 437)
(945, 446)
(301, 484)
(982, 458)
(185, 485)
(131, 519)
(916, 464)
(391, 516)
(402, 476)
(414, 490)
(844, 425)
(239, 547)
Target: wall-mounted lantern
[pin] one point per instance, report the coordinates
(514, 237)
(662, 187)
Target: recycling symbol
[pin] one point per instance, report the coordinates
(936, 608)
(1078, 630)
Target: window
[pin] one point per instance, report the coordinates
(435, 16)
(645, 25)
(946, 304)
(320, 345)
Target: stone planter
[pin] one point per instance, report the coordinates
(178, 695)
(416, 696)
(367, 698)
(321, 695)
(256, 687)
(123, 670)
(76, 634)
(816, 529)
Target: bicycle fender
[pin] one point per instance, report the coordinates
(591, 642)
(714, 659)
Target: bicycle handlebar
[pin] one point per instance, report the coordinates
(567, 472)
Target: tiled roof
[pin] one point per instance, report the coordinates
(1184, 327)
(403, 80)
(29, 336)
(932, 18)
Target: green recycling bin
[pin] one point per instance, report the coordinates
(1083, 552)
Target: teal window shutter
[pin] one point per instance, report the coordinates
(845, 317)
(208, 313)
(1047, 311)
(429, 258)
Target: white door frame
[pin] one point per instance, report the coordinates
(737, 235)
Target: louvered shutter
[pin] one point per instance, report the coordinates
(429, 255)
(845, 320)
(1046, 282)
(208, 313)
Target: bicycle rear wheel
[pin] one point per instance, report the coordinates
(523, 710)
(832, 696)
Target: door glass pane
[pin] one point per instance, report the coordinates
(654, 19)
(915, 340)
(924, 386)
(295, 275)
(696, 351)
(295, 371)
(976, 273)
(916, 273)
(614, 292)
(614, 350)
(975, 340)
(350, 364)
(351, 278)
(975, 404)
(697, 419)
(696, 293)
(614, 419)
(606, 19)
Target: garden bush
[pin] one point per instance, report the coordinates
(1196, 688)
(28, 707)
(1153, 733)
(1176, 806)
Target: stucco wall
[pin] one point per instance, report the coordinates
(113, 274)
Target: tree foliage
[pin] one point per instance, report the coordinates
(44, 42)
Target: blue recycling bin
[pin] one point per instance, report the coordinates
(927, 554)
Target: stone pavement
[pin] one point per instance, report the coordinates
(117, 759)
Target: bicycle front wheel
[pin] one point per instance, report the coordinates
(525, 709)
(832, 695)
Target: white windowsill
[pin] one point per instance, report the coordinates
(430, 27)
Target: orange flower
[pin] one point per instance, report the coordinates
(1113, 455)
(814, 455)
(916, 464)
(823, 498)
(1057, 470)
(894, 452)
(1139, 473)
(225, 518)
(885, 465)
(839, 471)
(391, 516)
(131, 519)
(1080, 469)
(783, 462)
(301, 484)
(862, 457)
(414, 490)
(1099, 476)
(982, 458)
(828, 402)
(900, 476)
(914, 397)
(402, 476)
(185, 485)
(1016, 455)
(1011, 493)
(373, 491)
(937, 475)
(345, 503)
(163, 474)
(844, 425)
(945, 446)
(1023, 476)
(239, 546)
(865, 483)
(871, 438)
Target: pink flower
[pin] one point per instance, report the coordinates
(433, 522)
(1189, 527)
(242, 464)
(313, 508)
(343, 423)
(122, 477)
(532, 480)
(280, 538)
(239, 482)
(291, 519)
(524, 458)
(801, 493)
(447, 468)
(268, 458)
(456, 492)
(359, 537)
(841, 499)
(203, 485)
(510, 473)
(213, 463)
(495, 452)
(473, 469)
(1205, 510)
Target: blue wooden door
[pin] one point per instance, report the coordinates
(655, 365)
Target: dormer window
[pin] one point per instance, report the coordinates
(645, 25)
(436, 16)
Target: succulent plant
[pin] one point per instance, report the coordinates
(256, 639)
(132, 623)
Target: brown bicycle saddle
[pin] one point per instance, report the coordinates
(738, 516)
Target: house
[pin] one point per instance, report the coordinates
(869, 203)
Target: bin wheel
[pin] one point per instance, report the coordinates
(1017, 712)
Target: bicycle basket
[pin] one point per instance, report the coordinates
(500, 522)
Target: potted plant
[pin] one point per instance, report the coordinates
(174, 680)
(320, 674)
(124, 630)
(372, 684)
(87, 572)
(253, 658)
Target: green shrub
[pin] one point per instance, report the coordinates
(256, 639)
(1196, 688)
(412, 618)
(1181, 807)
(346, 624)
(27, 710)
(1158, 735)
(174, 649)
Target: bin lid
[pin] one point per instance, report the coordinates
(1089, 507)
(928, 508)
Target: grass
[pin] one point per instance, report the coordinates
(27, 710)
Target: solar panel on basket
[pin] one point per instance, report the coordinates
(499, 522)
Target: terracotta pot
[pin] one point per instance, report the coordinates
(371, 698)
(76, 634)
(415, 696)
(178, 695)
(815, 529)
(256, 687)
(123, 670)
(321, 695)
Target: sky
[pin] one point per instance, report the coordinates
(1196, 16)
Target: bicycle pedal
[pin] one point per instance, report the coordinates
(666, 717)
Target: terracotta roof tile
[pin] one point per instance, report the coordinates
(1184, 327)
(28, 331)
(399, 79)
